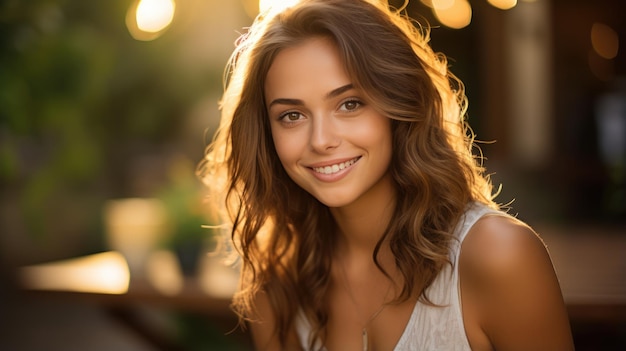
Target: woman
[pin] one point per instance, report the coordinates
(361, 216)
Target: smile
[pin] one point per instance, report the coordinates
(331, 169)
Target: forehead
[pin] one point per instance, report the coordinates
(314, 63)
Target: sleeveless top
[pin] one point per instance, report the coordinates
(439, 327)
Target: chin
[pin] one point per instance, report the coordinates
(334, 200)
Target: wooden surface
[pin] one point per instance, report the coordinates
(590, 263)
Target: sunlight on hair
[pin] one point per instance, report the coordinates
(604, 40)
(275, 5)
(503, 4)
(148, 19)
(103, 273)
(457, 15)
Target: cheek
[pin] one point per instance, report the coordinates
(381, 135)
(286, 147)
(376, 132)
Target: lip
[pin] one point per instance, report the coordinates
(338, 172)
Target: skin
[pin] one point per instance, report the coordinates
(509, 290)
(510, 295)
(319, 120)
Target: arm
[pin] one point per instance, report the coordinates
(263, 327)
(510, 290)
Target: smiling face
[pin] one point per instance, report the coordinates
(330, 141)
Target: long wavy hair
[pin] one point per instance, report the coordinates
(282, 234)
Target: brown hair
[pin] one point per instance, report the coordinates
(282, 233)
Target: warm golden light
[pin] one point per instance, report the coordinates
(154, 15)
(503, 4)
(456, 16)
(134, 227)
(104, 273)
(442, 4)
(148, 19)
(216, 278)
(275, 5)
(605, 40)
(163, 272)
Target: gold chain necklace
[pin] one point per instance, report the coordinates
(364, 335)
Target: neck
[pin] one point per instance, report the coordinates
(362, 224)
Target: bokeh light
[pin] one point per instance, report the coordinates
(154, 15)
(103, 273)
(275, 5)
(605, 40)
(456, 15)
(148, 19)
(503, 4)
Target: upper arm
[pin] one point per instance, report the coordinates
(263, 326)
(512, 288)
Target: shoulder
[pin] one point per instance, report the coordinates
(498, 242)
(510, 287)
(503, 257)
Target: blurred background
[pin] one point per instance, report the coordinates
(106, 107)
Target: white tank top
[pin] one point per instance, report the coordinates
(433, 328)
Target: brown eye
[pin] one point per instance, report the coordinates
(293, 116)
(351, 105)
(290, 116)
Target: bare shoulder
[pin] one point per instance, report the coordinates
(498, 243)
(511, 288)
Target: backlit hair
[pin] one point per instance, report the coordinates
(283, 234)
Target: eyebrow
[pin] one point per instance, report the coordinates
(330, 95)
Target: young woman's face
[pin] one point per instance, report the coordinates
(331, 142)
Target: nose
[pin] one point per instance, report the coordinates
(325, 135)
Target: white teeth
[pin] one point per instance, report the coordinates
(335, 168)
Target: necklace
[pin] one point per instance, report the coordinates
(364, 335)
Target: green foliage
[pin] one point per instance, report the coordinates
(79, 98)
(182, 197)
